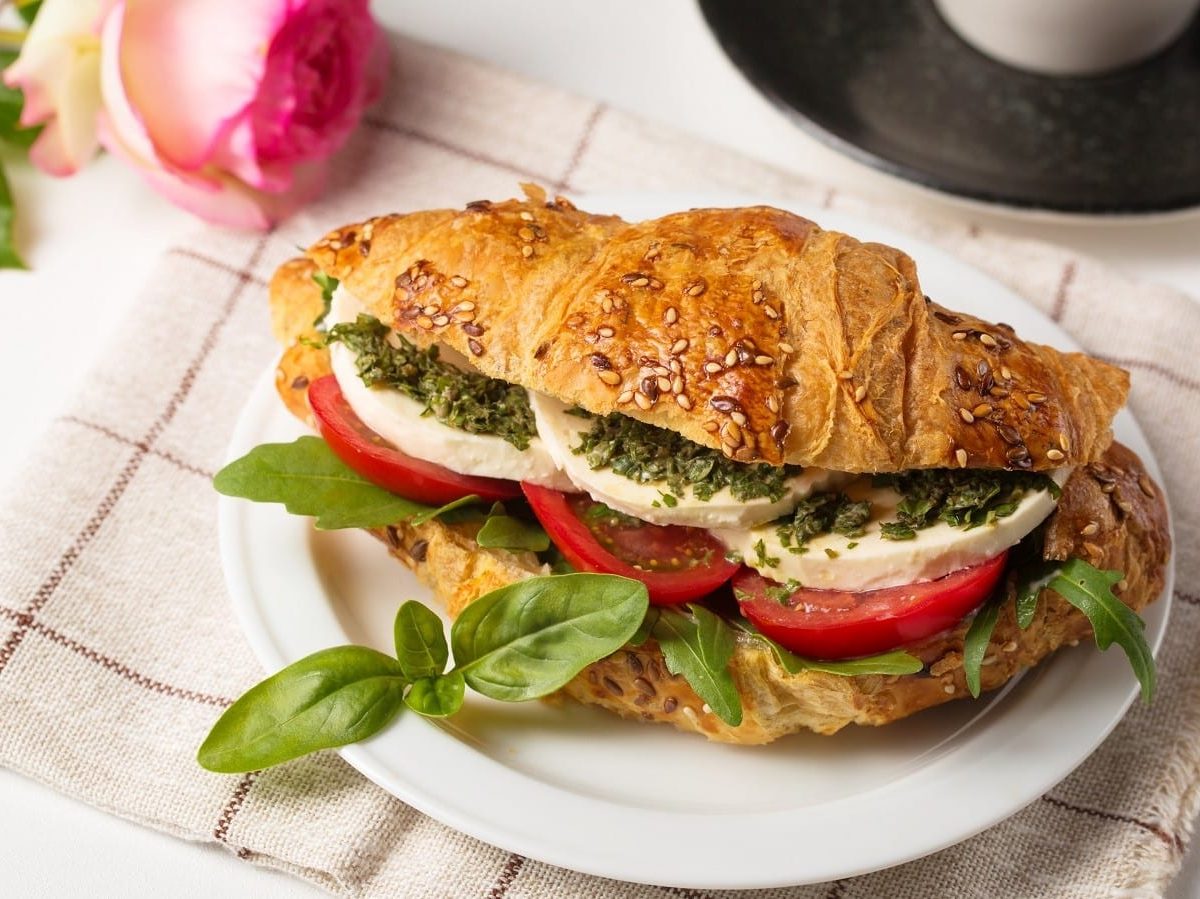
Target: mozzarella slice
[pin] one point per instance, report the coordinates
(562, 432)
(831, 563)
(398, 419)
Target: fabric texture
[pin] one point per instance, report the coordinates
(118, 646)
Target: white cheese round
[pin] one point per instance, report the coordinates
(562, 432)
(831, 563)
(399, 419)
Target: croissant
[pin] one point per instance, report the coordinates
(790, 344)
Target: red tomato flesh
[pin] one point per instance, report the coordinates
(381, 463)
(837, 624)
(677, 564)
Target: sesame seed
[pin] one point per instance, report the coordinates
(982, 410)
(526, 234)
(710, 426)
(467, 316)
(948, 689)
(605, 331)
(860, 393)
(609, 377)
(652, 254)
(1010, 646)
(441, 320)
(675, 367)
(959, 335)
(664, 384)
(459, 281)
(655, 284)
(1020, 401)
(755, 285)
(738, 417)
(639, 282)
(712, 367)
(1064, 443)
(763, 360)
(965, 415)
(526, 216)
(683, 401)
(606, 304)
(463, 307)
(1147, 486)
(1107, 488)
(844, 375)
(987, 340)
(679, 346)
(731, 434)
(425, 321)
(643, 402)
(677, 384)
(1036, 397)
(671, 315)
(527, 251)
(661, 370)
(624, 397)
(759, 296)
(430, 310)
(960, 455)
(475, 346)
(1055, 455)
(1125, 506)
(771, 311)
(695, 288)
(731, 359)
(1089, 529)
(786, 348)
(1005, 373)
(773, 403)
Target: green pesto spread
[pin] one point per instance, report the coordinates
(469, 401)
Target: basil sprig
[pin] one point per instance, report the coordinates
(1088, 589)
(522, 641)
(309, 479)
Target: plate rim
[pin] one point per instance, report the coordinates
(366, 759)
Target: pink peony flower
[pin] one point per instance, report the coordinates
(59, 72)
(231, 108)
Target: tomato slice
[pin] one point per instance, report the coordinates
(837, 624)
(381, 463)
(677, 564)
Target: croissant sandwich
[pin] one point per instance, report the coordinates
(846, 502)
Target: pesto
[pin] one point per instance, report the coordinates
(822, 513)
(962, 498)
(465, 400)
(647, 454)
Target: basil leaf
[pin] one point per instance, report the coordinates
(8, 251)
(1090, 590)
(330, 698)
(975, 644)
(699, 646)
(895, 662)
(505, 532)
(437, 696)
(420, 641)
(309, 479)
(530, 638)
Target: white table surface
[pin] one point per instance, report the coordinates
(91, 241)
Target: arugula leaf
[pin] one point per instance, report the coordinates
(531, 637)
(1035, 578)
(975, 644)
(309, 479)
(699, 646)
(453, 506)
(894, 662)
(8, 251)
(506, 532)
(420, 641)
(330, 698)
(328, 285)
(1089, 589)
(438, 696)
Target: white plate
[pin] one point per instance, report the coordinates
(583, 789)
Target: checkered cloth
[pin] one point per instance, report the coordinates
(118, 648)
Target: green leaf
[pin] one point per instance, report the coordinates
(1035, 576)
(642, 634)
(8, 251)
(452, 506)
(699, 646)
(513, 534)
(437, 696)
(895, 662)
(328, 285)
(330, 698)
(420, 641)
(28, 9)
(309, 479)
(975, 644)
(530, 638)
(1090, 590)
(12, 101)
